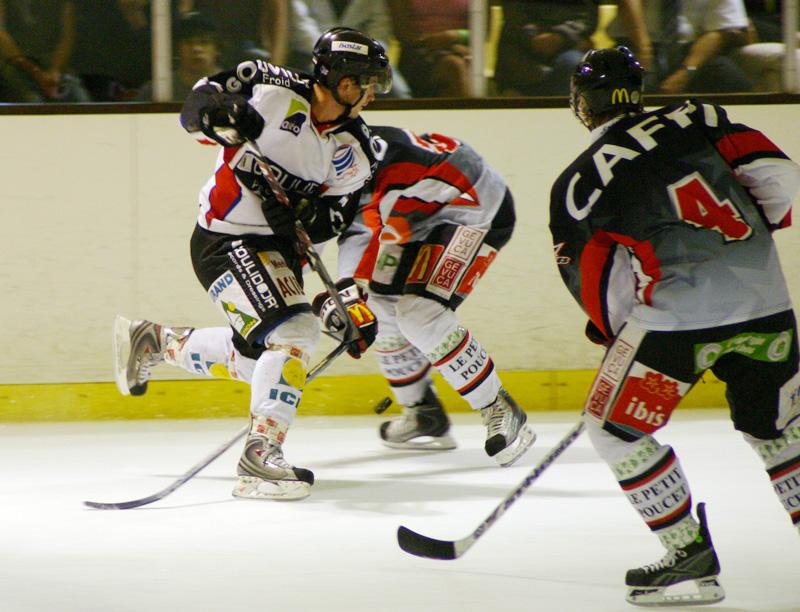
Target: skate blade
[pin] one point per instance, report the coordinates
(121, 339)
(250, 487)
(425, 443)
(709, 591)
(525, 439)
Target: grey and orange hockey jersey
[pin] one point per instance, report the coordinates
(422, 181)
(667, 219)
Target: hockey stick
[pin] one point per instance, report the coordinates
(422, 546)
(351, 334)
(201, 465)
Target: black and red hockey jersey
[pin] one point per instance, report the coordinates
(666, 219)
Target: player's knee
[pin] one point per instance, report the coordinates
(300, 332)
(624, 457)
(778, 451)
(424, 321)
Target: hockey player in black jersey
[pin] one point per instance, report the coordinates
(662, 231)
(308, 130)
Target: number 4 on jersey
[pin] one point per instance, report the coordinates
(697, 205)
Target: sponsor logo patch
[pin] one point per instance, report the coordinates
(452, 266)
(770, 348)
(295, 118)
(349, 47)
(344, 160)
(646, 400)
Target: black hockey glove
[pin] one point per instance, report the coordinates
(281, 218)
(230, 120)
(595, 335)
(355, 302)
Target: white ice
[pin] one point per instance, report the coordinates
(565, 545)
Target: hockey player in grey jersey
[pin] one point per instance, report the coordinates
(430, 225)
(308, 129)
(662, 231)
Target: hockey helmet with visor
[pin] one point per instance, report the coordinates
(604, 82)
(345, 52)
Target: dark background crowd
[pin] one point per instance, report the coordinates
(100, 50)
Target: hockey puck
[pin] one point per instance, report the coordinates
(381, 407)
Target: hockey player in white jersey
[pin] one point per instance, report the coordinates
(432, 223)
(308, 129)
(662, 230)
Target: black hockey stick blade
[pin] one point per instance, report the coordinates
(422, 546)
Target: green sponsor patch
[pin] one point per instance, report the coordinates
(761, 347)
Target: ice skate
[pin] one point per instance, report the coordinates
(265, 474)
(507, 435)
(138, 346)
(647, 586)
(423, 426)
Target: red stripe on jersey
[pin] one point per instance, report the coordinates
(651, 266)
(736, 145)
(593, 261)
(371, 217)
(405, 206)
(406, 174)
(226, 192)
(592, 267)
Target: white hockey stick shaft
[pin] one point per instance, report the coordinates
(423, 546)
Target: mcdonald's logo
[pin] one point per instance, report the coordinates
(620, 95)
(360, 313)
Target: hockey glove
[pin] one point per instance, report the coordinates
(281, 218)
(230, 120)
(595, 335)
(353, 299)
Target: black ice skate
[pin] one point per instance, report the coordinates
(423, 426)
(507, 435)
(265, 474)
(138, 346)
(697, 561)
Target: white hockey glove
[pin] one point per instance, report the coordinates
(355, 302)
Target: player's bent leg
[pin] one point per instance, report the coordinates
(782, 460)
(211, 351)
(467, 367)
(424, 424)
(652, 479)
(138, 347)
(277, 386)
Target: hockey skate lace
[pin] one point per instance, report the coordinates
(668, 561)
(495, 419)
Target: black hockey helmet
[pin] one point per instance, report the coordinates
(606, 81)
(345, 52)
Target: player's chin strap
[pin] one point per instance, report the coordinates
(348, 108)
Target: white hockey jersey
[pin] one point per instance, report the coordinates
(310, 160)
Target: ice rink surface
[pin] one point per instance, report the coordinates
(565, 545)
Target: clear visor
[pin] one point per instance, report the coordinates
(381, 81)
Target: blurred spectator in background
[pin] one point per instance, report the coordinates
(310, 18)
(434, 46)
(248, 29)
(198, 54)
(762, 61)
(112, 49)
(541, 43)
(36, 45)
(692, 42)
